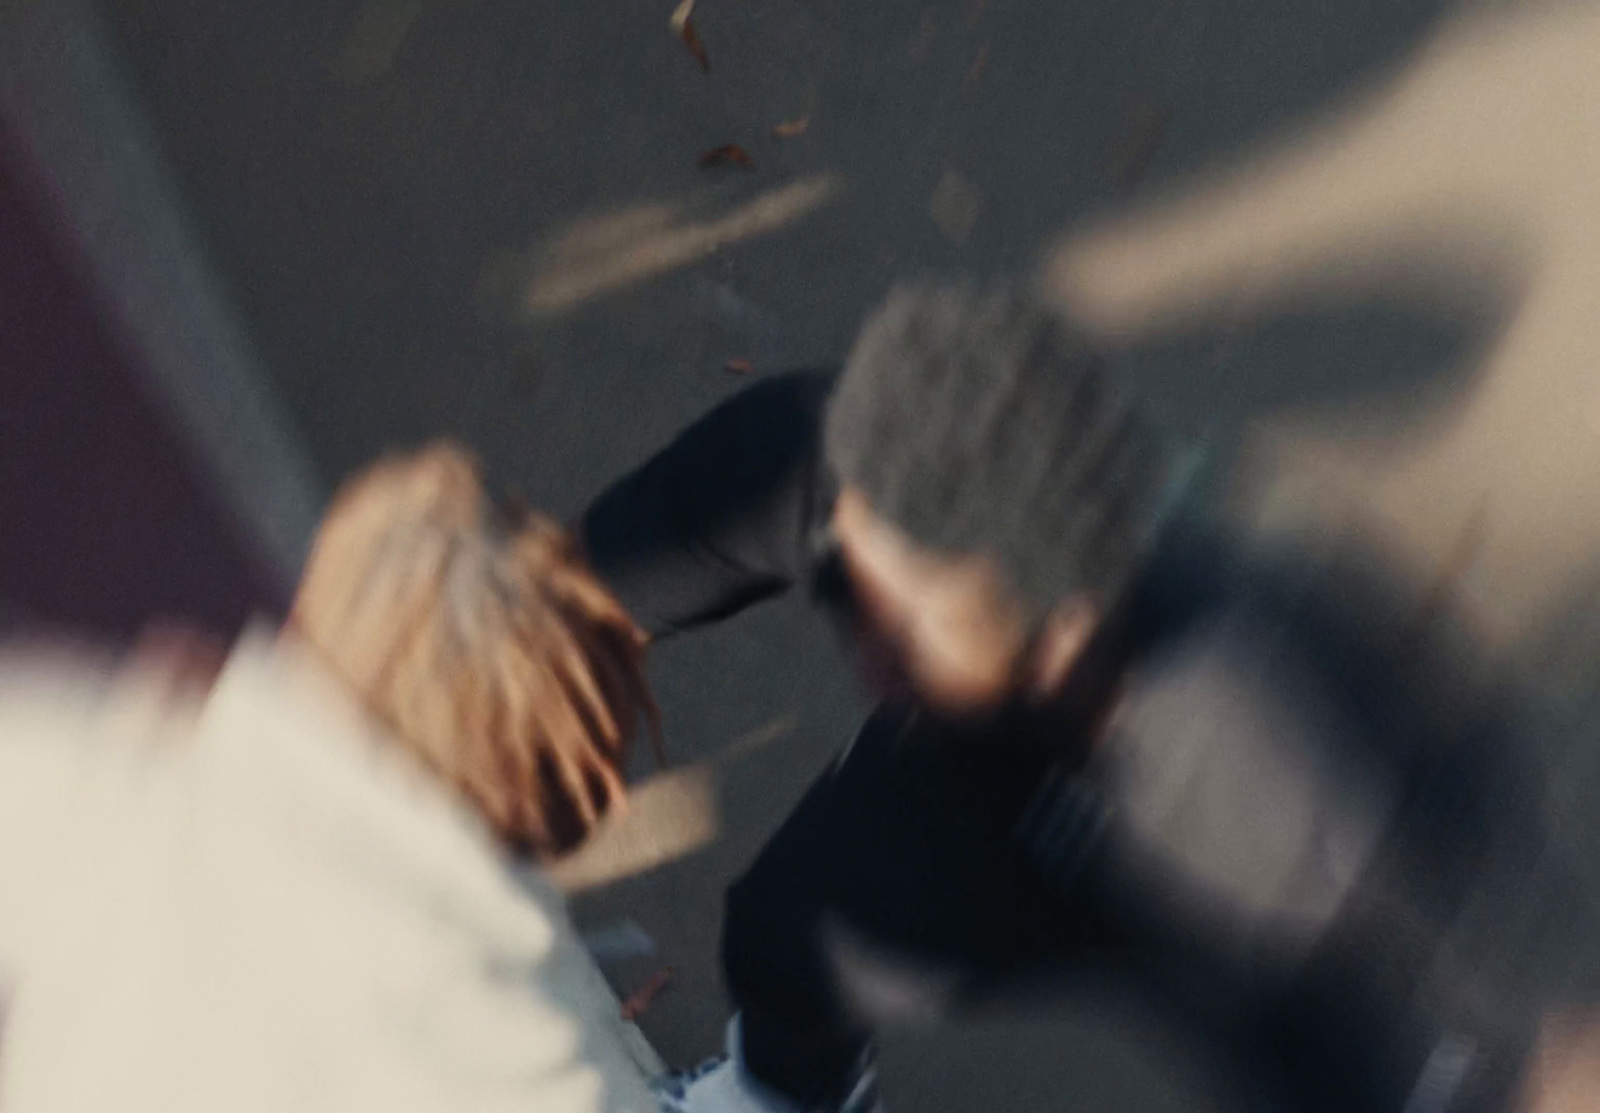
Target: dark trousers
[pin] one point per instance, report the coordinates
(897, 889)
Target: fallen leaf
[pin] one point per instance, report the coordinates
(380, 31)
(922, 38)
(691, 39)
(979, 64)
(738, 367)
(642, 998)
(955, 206)
(728, 152)
(791, 128)
(683, 27)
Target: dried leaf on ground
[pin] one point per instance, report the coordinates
(738, 367)
(980, 62)
(380, 32)
(955, 206)
(642, 998)
(683, 27)
(728, 152)
(922, 39)
(789, 129)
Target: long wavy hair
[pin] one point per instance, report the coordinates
(483, 641)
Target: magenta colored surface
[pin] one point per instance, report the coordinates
(105, 519)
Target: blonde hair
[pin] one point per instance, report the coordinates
(483, 641)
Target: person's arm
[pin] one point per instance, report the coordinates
(724, 515)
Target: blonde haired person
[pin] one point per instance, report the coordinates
(285, 885)
(480, 637)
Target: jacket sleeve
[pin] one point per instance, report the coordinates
(725, 515)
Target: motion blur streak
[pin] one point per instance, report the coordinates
(598, 256)
(667, 817)
(1470, 175)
